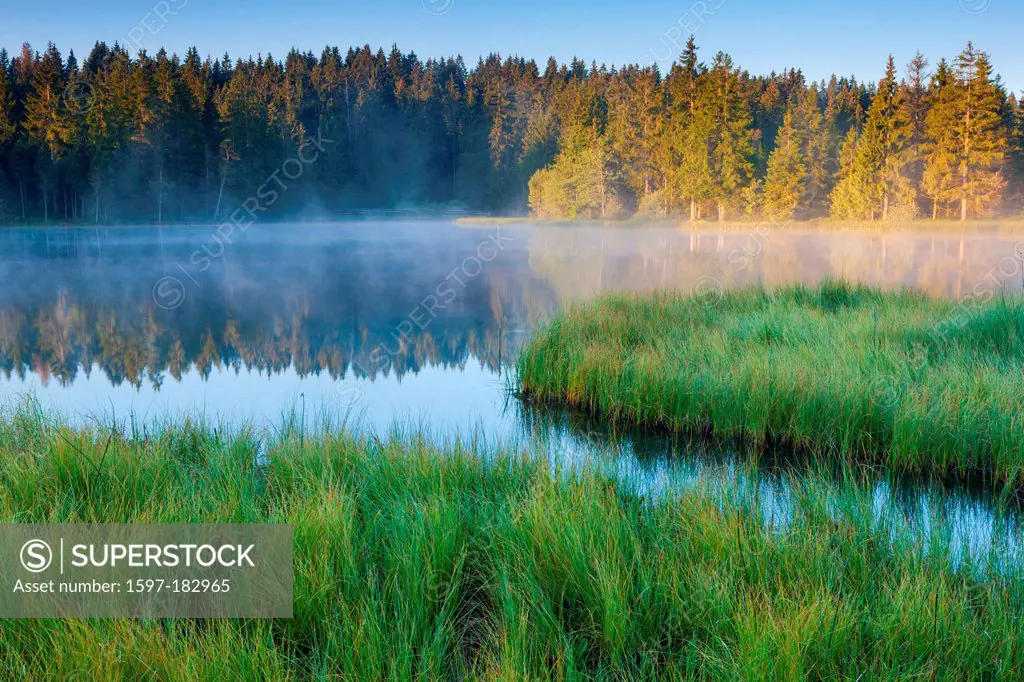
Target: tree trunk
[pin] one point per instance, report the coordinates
(967, 157)
(885, 207)
(220, 194)
(160, 199)
(693, 209)
(935, 208)
(721, 211)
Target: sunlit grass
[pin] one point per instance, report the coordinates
(917, 384)
(416, 563)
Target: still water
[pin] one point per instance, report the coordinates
(416, 325)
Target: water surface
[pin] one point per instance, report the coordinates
(418, 323)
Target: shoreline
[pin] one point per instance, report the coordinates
(457, 564)
(981, 227)
(846, 372)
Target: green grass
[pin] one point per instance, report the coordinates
(916, 384)
(417, 564)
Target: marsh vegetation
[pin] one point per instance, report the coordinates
(459, 563)
(899, 379)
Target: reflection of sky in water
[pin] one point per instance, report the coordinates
(342, 292)
(972, 528)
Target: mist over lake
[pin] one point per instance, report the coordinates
(383, 316)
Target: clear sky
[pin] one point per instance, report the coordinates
(820, 36)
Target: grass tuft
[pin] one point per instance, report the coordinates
(917, 384)
(415, 563)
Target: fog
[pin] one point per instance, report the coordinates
(144, 302)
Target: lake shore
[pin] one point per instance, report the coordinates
(988, 227)
(850, 373)
(1002, 226)
(456, 564)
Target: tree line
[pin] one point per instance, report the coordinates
(121, 138)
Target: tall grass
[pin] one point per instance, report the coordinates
(416, 563)
(917, 384)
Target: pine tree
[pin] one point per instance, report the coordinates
(941, 124)
(7, 125)
(7, 131)
(787, 171)
(818, 150)
(690, 131)
(582, 182)
(731, 165)
(982, 135)
(876, 180)
(49, 125)
(154, 138)
(915, 94)
(636, 120)
(1015, 124)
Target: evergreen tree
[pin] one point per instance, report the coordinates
(876, 179)
(967, 136)
(7, 125)
(1015, 125)
(818, 151)
(787, 171)
(582, 182)
(915, 95)
(731, 165)
(941, 123)
(690, 131)
(982, 135)
(636, 123)
(48, 123)
(7, 132)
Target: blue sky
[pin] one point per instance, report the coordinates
(820, 36)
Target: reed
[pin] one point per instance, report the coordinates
(851, 373)
(412, 562)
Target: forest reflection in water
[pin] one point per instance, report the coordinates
(339, 318)
(350, 299)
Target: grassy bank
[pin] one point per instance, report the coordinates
(415, 563)
(916, 384)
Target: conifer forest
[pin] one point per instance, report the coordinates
(160, 138)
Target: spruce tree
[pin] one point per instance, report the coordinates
(1015, 124)
(967, 136)
(787, 171)
(941, 143)
(915, 94)
(49, 125)
(818, 150)
(7, 132)
(690, 130)
(876, 180)
(982, 135)
(7, 125)
(731, 165)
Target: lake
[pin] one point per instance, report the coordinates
(414, 325)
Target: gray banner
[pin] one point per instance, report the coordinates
(146, 571)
